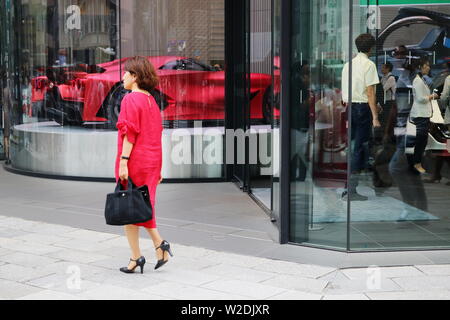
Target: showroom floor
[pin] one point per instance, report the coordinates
(377, 223)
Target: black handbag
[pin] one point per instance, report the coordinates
(129, 206)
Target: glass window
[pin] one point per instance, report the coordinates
(396, 196)
(402, 196)
(183, 39)
(66, 67)
(176, 35)
(276, 115)
(262, 107)
(319, 145)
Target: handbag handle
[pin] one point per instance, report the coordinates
(131, 186)
(129, 191)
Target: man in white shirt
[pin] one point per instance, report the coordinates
(364, 111)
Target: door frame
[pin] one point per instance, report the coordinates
(237, 88)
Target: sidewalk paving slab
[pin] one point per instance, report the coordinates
(42, 238)
(360, 286)
(63, 283)
(284, 267)
(244, 288)
(47, 263)
(76, 255)
(424, 283)
(298, 283)
(238, 273)
(295, 295)
(435, 270)
(117, 293)
(27, 259)
(18, 273)
(178, 291)
(410, 295)
(355, 296)
(385, 272)
(50, 295)
(14, 290)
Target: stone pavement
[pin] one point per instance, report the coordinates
(48, 261)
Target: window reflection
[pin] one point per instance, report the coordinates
(405, 206)
(399, 207)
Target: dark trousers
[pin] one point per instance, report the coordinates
(422, 127)
(360, 135)
(383, 117)
(438, 164)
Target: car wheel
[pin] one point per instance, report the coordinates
(116, 96)
(113, 102)
(160, 98)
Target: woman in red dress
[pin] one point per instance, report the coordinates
(139, 153)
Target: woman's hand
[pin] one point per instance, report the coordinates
(160, 179)
(376, 123)
(123, 170)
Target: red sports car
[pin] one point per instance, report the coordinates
(188, 90)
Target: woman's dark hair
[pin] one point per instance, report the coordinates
(422, 61)
(144, 71)
(364, 42)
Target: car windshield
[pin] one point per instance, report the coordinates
(187, 64)
(78, 67)
(431, 38)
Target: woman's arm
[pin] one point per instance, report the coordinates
(127, 147)
(446, 91)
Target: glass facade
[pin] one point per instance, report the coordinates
(318, 122)
(65, 67)
(275, 72)
(356, 186)
(264, 61)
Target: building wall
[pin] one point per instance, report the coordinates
(193, 28)
(261, 37)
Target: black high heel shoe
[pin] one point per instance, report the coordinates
(139, 263)
(164, 246)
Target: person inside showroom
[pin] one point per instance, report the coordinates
(364, 111)
(421, 112)
(436, 176)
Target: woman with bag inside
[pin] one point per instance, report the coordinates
(139, 153)
(421, 112)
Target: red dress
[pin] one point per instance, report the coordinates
(140, 120)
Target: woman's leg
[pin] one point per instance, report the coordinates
(156, 238)
(132, 232)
